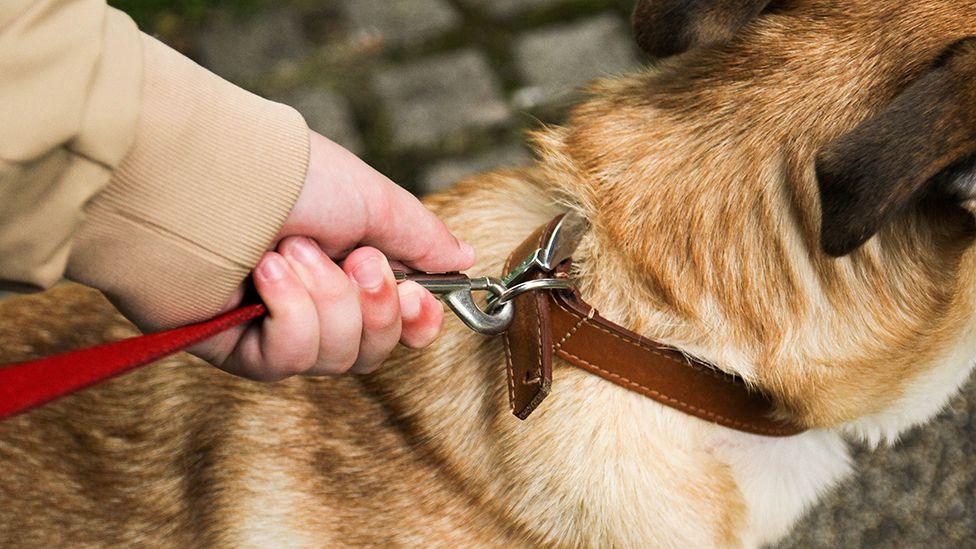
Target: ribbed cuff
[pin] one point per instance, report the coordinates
(212, 175)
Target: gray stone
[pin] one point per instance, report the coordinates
(510, 8)
(399, 21)
(245, 50)
(556, 60)
(918, 493)
(448, 172)
(433, 99)
(329, 114)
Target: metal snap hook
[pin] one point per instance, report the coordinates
(456, 290)
(488, 323)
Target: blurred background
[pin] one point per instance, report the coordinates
(426, 91)
(431, 90)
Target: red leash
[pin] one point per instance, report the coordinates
(27, 385)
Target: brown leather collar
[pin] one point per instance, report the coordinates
(560, 323)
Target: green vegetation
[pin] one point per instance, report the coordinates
(150, 14)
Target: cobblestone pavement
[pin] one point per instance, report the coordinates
(425, 90)
(431, 90)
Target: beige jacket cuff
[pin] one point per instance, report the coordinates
(213, 173)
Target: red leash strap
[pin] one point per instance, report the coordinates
(27, 385)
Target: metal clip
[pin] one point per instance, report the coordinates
(534, 285)
(559, 247)
(456, 289)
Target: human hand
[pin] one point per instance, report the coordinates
(327, 317)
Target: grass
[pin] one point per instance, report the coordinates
(150, 15)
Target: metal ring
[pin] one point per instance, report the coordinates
(533, 285)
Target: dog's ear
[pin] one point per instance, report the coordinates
(668, 27)
(922, 143)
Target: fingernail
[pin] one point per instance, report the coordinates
(410, 305)
(466, 249)
(369, 274)
(306, 252)
(272, 268)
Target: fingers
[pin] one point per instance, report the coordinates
(336, 301)
(379, 303)
(327, 320)
(421, 315)
(285, 343)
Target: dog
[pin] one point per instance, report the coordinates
(787, 193)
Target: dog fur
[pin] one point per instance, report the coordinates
(703, 178)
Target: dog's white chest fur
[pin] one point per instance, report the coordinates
(780, 478)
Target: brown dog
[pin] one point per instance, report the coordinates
(703, 179)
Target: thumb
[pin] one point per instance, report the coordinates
(346, 204)
(404, 229)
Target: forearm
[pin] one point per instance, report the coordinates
(70, 87)
(125, 166)
(213, 173)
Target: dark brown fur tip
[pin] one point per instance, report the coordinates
(842, 193)
(669, 27)
(872, 173)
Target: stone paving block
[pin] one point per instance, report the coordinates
(437, 97)
(248, 50)
(556, 60)
(510, 8)
(448, 172)
(917, 493)
(399, 21)
(328, 113)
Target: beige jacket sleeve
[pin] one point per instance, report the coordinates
(127, 167)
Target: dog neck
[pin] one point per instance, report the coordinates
(711, 249)
(451, 400)
(706, 237)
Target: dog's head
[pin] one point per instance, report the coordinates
(784, 185)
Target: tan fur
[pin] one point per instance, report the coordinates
(698, 178)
